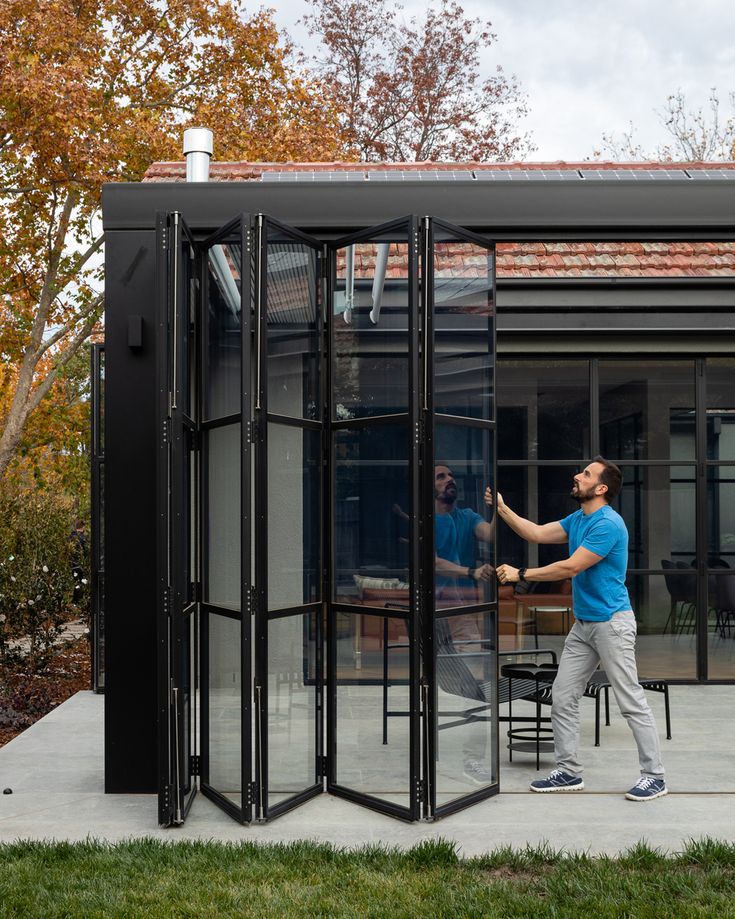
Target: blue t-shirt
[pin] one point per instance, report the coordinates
(454, 540)
(600, 591)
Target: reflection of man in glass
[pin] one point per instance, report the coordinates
(457, 531)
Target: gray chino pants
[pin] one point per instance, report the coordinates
(612, 644)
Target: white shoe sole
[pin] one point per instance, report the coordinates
(544, 791)
(659, 794)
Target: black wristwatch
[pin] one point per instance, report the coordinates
(522, 575)
(471, 572)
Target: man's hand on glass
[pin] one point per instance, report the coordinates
(494, 499)
(484, 573)
(507, 574)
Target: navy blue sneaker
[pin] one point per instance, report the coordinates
(558, 781)
(647, 788)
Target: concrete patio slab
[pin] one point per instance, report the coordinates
(55, 769)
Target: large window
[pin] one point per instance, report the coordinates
(677, 498)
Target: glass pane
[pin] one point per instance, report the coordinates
(464, 308)
(223, 520)
(657, 504)
(464, 531)
(372, 511)
(223, 352)
(665, 611)
(372, 697)
(543, 409)
(721, 625)
(294, 514)
(291, 286)
(370, 328)
(721, 408)
(224, 706)
(647, 410)
(292, 697)
(466, 664)
(721, 516)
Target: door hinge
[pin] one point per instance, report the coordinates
(251, 599)
(420, 788)
(252, 432)
(322, 767)
(165, 239)
(195, 765)
(251, 793)
(166, 427)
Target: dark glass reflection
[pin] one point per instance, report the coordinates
(657, 504)
(647, 410)
(463, 328)
(223, 359)
(371, 525)
(543, 409)
(291, 288)
(464, 527)
(294, 513)
(222, 542)
(721, 624)
(370, 328)
(721, 516)
(664, 649)
(721, 408)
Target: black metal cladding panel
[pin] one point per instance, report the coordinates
(635, 175)
(705, 174)
(130, 511)
(513, 210)
(527, 175)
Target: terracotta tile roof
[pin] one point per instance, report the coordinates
(253, 172)
(517, 260)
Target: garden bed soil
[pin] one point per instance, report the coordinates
(34, 695)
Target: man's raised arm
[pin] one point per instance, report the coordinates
(526, 529)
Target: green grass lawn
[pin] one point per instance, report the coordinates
(149, 878)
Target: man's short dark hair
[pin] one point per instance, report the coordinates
(610, 476)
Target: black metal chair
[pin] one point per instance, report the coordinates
(682, 589)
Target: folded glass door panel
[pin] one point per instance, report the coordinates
(461, 629)
(373, 649)
(226, 514)
(177, 516)
(288, 500)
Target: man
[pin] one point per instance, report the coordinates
(457, 531)
(604, 630)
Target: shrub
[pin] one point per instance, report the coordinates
(41, 560)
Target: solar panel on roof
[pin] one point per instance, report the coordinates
(617, 175)
(516, 175)
(701, 174)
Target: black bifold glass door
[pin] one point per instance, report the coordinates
(327, 439)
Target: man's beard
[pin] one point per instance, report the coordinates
(448, 496)
(581, 497)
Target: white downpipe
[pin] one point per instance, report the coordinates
(198, 149)
(349, 283)
(381, 266)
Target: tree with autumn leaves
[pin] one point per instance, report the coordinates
(94, 91)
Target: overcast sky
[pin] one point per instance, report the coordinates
(592, 67)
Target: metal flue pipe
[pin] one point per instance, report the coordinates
(198, 149)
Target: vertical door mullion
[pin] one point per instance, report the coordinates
(414, 480)
(246, 598)
(700, 414)
(427, 495)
